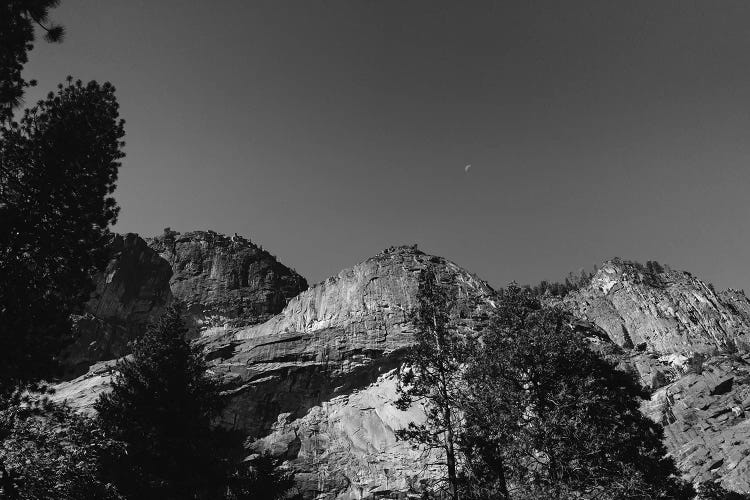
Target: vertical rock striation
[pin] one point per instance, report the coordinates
(689, 344)
(667, 312)
(225, 282)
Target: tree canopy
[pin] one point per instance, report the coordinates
(162, 406)
(432, 376)
(547, 417)
(18, 20)
(58, 169)
(48, 452)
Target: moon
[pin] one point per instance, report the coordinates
(467, 167)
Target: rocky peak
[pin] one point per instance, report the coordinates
(225, 281)
(662, 310)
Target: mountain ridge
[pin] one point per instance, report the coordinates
(315, 383)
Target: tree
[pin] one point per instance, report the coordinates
(18, 19)
(58, 168)
(261, 478)
(162, 406)
(432, 377)
(546, 417)
(48, 452)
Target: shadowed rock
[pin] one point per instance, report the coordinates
(131, 292)
(225, 282)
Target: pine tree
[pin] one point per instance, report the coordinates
(58, 168)
(162, 406)
(546, 417)
(432, 377)
(262, 478)
(18, 20)
(50, 452)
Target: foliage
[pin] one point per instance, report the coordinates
(48, 452)
(263, 478)
(546, 417)
(572, 283)
(18, 19)
(161, 406)
(709, 490)
(432, 376)
(58, 168)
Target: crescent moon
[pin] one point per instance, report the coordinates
(467, 167)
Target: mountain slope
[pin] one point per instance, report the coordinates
(690, 345)
(667, 312)
(316, 383)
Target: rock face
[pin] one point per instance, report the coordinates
(667, 312)
(705, 416)
(316, 383)
(132, 291)
(225, 282)
(690, 345)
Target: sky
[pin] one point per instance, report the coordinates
(328, 130)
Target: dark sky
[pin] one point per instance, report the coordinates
(329, 130)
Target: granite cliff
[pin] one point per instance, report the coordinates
(225, 282)
(689, 343)
(316, 382)
(221, 281)
(666, 312)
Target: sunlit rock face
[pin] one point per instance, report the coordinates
(689, 344)
(131, 292)
(224, 281)
(669, 312)
(316, 383)
(705, 415)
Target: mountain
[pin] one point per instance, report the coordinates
(689, 343)
(225, 281)
(666, 312)
(222, 282)
(316, 382)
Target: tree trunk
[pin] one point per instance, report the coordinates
(450, 455)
